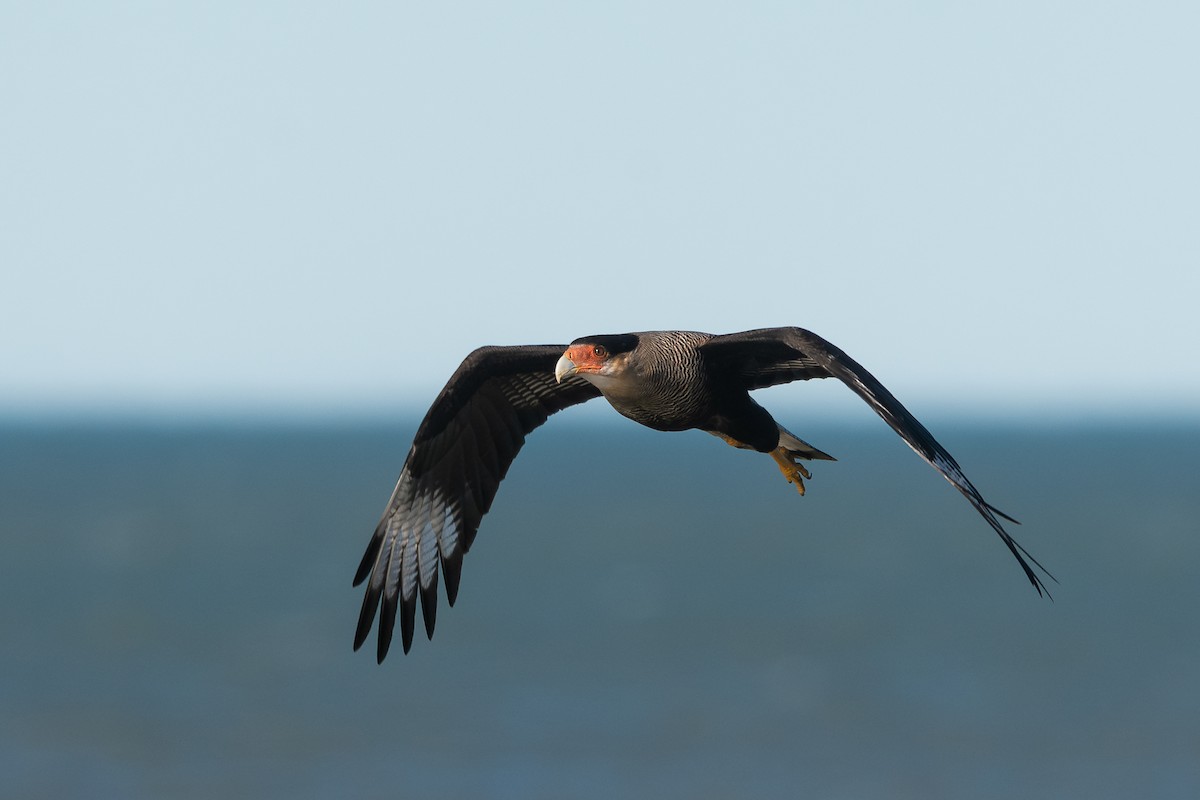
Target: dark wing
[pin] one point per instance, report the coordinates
(772, 356)
(461, 452)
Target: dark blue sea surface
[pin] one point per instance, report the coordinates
(643, 615)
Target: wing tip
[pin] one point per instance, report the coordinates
(371, 555)
(1021, 555)
(408, 620)
(429, 601)
(452, 574)
(1000, 513)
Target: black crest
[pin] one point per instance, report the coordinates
(614, 343)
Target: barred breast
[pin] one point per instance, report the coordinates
(666, 387)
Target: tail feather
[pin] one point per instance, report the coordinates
(800, 448)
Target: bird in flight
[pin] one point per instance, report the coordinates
(666, 380)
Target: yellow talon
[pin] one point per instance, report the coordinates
(794, 472)
(786, 457)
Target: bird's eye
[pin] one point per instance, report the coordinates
(599, 351)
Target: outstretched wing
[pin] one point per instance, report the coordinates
(461, 452)
(772, 356)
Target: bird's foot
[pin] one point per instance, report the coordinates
(790, 467)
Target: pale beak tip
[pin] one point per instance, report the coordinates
(565, 368)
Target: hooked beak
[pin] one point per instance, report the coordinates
(565, 368)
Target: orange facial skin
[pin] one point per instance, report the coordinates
(587, 357)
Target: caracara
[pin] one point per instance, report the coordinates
(666, 380)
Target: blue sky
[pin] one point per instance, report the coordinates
(310, 208)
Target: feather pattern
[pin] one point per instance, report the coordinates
(462, 450)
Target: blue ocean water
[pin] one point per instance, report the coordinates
(643, 615)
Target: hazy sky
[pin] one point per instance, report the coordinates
(322, 207)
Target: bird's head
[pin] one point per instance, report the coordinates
(596, 358)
